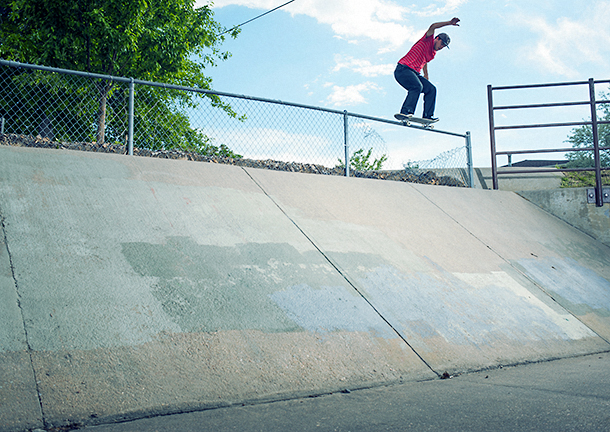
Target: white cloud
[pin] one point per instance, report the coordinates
(349, 41)
(363, 67)
(436, 10)
(380, 20)
(566, 46)
(351, 95)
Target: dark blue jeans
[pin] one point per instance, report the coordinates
(415, 84)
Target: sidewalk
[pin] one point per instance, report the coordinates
(562, 395)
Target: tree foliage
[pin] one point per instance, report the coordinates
(582, 137)
(362, 162)
(166, 41)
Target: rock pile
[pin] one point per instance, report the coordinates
(412, 176)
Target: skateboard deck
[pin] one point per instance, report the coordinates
(427, 123)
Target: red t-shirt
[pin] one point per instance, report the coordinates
(421, 53)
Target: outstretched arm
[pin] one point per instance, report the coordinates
(453, 22)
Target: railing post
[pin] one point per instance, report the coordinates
(130, 117)
(345, 127)
(599, 199)
(469, 160)
(492, 137)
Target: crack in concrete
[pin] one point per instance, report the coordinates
(516, 268)
(353, 284)
(25, 330)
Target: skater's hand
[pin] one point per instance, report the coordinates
(453, 22)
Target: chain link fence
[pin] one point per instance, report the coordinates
(58, 108)
(448, 168)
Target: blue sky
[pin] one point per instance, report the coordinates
(341, 54)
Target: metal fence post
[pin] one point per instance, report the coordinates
(599, 199)
(469, 159)
(492, 137)
(2, 125)
(347, 160)
(130, 117)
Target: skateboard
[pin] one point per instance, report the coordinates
(407, 120)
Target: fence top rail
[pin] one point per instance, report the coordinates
(526, 86)
(394, 122)
(16, 64)
(214, 92)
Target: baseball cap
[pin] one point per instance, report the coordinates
(445, 38)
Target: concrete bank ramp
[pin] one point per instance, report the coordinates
(135, 286)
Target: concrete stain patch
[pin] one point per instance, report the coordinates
(461, 313)
(330, 309)
(266, 287)
(461, 321)
(578, 289)
(582, 287)
(454, 320)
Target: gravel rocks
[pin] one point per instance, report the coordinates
(412, 176)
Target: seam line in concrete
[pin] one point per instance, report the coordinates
(517, 269)
(25, 330)
(343, 275)
(541, 390)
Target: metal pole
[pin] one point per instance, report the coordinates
(2, 125)
(347, 160)
(130, 115)
(492, 137)
(599, 199)
(469, 156)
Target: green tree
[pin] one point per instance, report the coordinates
(582, 137)
(167, 41)
(362, 162)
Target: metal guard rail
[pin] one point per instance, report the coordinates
(594, 123)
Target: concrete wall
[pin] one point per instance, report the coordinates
(570, 205)
(517, 182)
(135, 286)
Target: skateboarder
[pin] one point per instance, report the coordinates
(409, 68)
